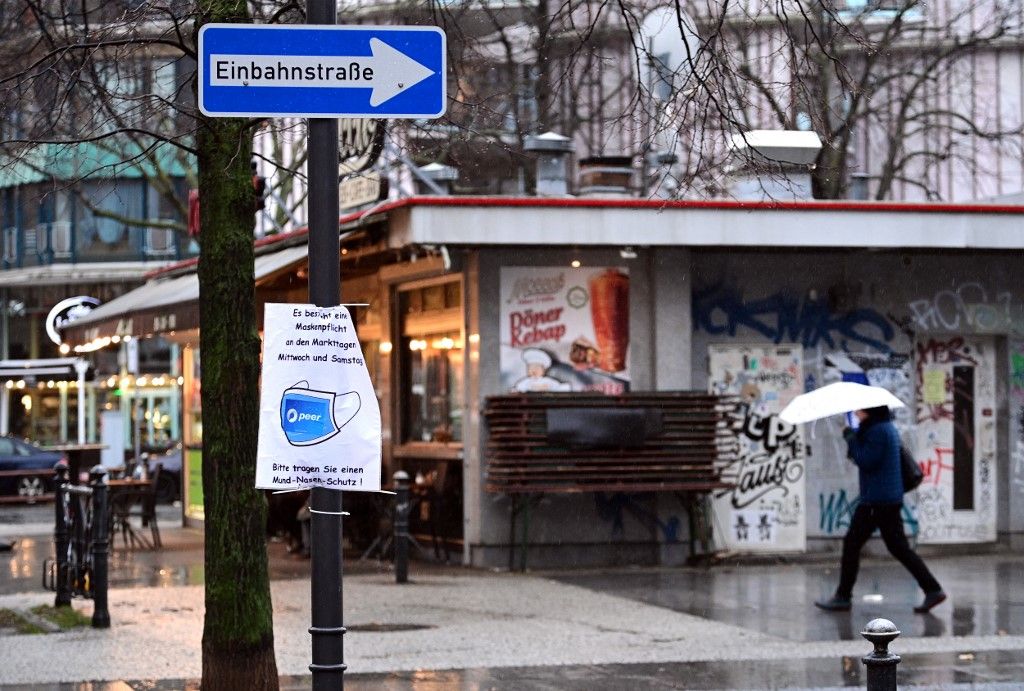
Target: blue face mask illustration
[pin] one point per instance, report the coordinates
(310, 417)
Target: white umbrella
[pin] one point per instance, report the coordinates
(841, 397)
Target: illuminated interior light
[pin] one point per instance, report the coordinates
(9, 384)
(112, 381)
(20, 384)
(474, 338)
(385, 347)
(50, 384)
(575, 263)
(26, 401)
(65, 349)
(142, 381)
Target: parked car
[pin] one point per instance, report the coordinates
(21, 455)
(168, 484)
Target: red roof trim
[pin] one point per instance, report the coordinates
(596, 203)
(725, 204)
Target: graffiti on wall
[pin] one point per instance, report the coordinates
(1016, 395)
(968, 308)
(956, 438)
(614, 507)
(932, 378)
(947, 383)
(765, 510)
(836, 509)
(783, 317)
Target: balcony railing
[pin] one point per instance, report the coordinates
(60, 241)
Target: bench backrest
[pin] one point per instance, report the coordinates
(634, 442)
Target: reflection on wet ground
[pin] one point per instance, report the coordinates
(986, 596)
(991, 671)
(179, 562)
(988, 671)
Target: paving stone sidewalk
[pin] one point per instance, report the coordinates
(436, 622)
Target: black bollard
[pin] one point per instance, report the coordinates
(61, 537)
(881, 663)
(100, 547)
(401, 526)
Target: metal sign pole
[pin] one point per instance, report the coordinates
(327, 627)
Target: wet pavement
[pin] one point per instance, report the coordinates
(990, 671)
(993, 671)
(760, 630)
(986, 596)
(178, 563)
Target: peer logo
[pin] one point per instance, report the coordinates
(311, 417)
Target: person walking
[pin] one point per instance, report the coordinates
(875, 449)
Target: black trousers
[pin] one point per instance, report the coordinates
(889, 522)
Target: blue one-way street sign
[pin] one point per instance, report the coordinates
(255, 70)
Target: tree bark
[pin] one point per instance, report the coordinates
(238, 633)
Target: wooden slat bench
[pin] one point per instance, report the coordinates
(569, 443)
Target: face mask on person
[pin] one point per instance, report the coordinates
(310, 417)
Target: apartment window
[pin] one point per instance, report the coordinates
(431, 362)
(876, 10)
(105, 212)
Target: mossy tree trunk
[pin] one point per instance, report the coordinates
(238, 633)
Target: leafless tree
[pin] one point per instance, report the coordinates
(891, 87)
(100, 89)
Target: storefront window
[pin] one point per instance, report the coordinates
(431, 363)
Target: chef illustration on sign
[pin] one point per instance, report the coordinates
(538, 362)
(311, 417)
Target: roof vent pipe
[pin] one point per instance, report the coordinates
(443, 178)
(773, 164)
(553, 151)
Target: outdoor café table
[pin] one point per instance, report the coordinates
(81, 457)
(127, 498)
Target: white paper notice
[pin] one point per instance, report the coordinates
(319, 417)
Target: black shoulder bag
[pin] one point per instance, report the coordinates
(911, 471)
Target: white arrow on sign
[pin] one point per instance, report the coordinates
(387, 71)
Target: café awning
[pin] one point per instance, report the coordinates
(48, 368)
(162, 305)
(68, 274)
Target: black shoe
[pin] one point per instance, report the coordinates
(930, 601)
(834, 604)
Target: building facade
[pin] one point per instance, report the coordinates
(467, 297)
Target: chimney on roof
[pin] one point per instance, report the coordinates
(553, 151)
(606, 176)
(773, 164)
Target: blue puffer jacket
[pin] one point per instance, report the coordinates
(876, 451)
